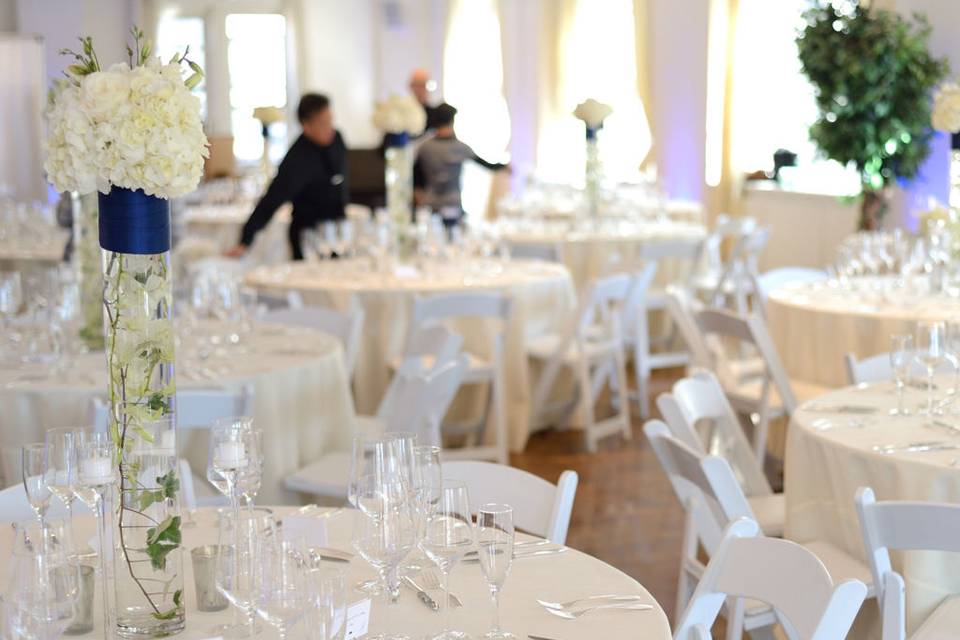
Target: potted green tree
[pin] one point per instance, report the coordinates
(872, 74)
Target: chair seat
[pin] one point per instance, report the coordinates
(771, 512)
(943, 623)
(840, 564)
(328, 476)
(543, 348)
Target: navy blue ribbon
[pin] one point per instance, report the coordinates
(592, 132)
(133, 222)
(396, 139)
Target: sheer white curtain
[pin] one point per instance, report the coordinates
(22, 99)
(597, 58)
(473, 83)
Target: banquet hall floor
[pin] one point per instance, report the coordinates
(625, 512)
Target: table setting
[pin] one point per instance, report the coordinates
(29, 235)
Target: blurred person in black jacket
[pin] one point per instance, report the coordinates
(313, 176)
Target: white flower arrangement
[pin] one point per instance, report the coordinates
(269, 115)
(592, 113)
(400, 114)
(132, 126)
(946, 108)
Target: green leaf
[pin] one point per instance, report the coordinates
(169, 485)
(161, 540)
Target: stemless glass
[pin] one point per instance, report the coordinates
(447, 537)
(239, 572)
(901, 357)
(282, 594)
(44, 586)
(326, 610)
(33, 460)
(930, 350)
(384, 542)
(495, 536)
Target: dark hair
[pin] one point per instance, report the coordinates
(310, 104)
(443, 115)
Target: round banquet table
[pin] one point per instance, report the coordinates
(831, 453)
(543, 296)
(21, 253)
(814, 324)
(301, 396)
(589, 254)
(557, 577)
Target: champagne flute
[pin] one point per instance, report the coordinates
(495, 537)
(930, 349)
(427, 481)
(33, 460)
(447, 537)
(282, 594)
(252, 475)
(953, 347)
(62, 471)
(901, 357)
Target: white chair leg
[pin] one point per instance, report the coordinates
(735, 619)
(760, 433)
(500, 417)
(620, 374)
(762, 633)
(586, 403)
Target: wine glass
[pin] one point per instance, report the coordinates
(238, 570)
(930, 350)
(62, 471)
(251, 476)
(447, 537)
(378, 461)
(384, 542)
(230, 454)
(953, 348)
(33, 461)
(495, 536)
(901, 357)
(327, 603)
(427, 481)
(282, 593)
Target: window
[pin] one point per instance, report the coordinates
(473, 83)
(174, 35)
(772, 103)
(257, 63)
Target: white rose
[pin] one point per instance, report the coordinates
(593, 113)
(102, 92)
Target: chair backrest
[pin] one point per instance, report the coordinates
(633, 319)
(682, 307)
(725, 228)
(346, 327)
(433, 346)
(418, 398)
(684, 253)
(548, 252)
(901, 525)
(705, 484)
(700, 416)
(539, 507)
(749, 330)
(877, 368)
(780, 573)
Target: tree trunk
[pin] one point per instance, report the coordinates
(873, 207)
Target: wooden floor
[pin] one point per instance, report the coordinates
(625, 512)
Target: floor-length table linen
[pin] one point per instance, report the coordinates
(557, 578)
(830, 455)
(543, 296)
(301, 397)
(815, 324)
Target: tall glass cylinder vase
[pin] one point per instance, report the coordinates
(86, 262)
(138, 306)
(593, 173)
(398, 179)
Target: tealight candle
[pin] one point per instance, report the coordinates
(230, 455)
(96, 471)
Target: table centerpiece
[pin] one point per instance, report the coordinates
(592, 113)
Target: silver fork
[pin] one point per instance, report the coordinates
(431, 581)
(570, 603)
(570, 615)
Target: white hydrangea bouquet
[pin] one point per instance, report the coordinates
(592, 113)
(133, 132)
(398, 118)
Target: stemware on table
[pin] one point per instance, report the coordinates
(282, 595)
(327, 603)
(901, 359)
(33, 464)
(238, 572)
(930, 352)
(495, 539)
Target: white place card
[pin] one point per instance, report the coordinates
(311, 528)
(358, 619)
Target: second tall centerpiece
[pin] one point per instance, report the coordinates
(135, 131)
(592, 113)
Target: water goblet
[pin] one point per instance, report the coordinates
(495, 537)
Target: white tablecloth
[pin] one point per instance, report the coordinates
(210, 229)
(829, 457)
(557, 578)
(814, 325)
(590, 254)
(301, 397)
(542, 294)
(17, 253)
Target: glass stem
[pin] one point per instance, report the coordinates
(446, 601)
(101, 516)
(496, 609)
(930, 393)
(900, 386)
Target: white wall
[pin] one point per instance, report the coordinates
(8, 15)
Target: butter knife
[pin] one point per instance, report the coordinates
(423, 595)
(539, 638)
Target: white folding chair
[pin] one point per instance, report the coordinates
(416, 401)
(740, 273)
(682, 307)
(196, 410)
(591, 346)
(712, 499)
(488, 371)
(346, 327)
(878, 369)
(760, 397)
(808, 603)
(700, 416)
(771, 280)
(726, 230)
(899, 526)
(644, 299)
(539, 507)
(547, 252)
